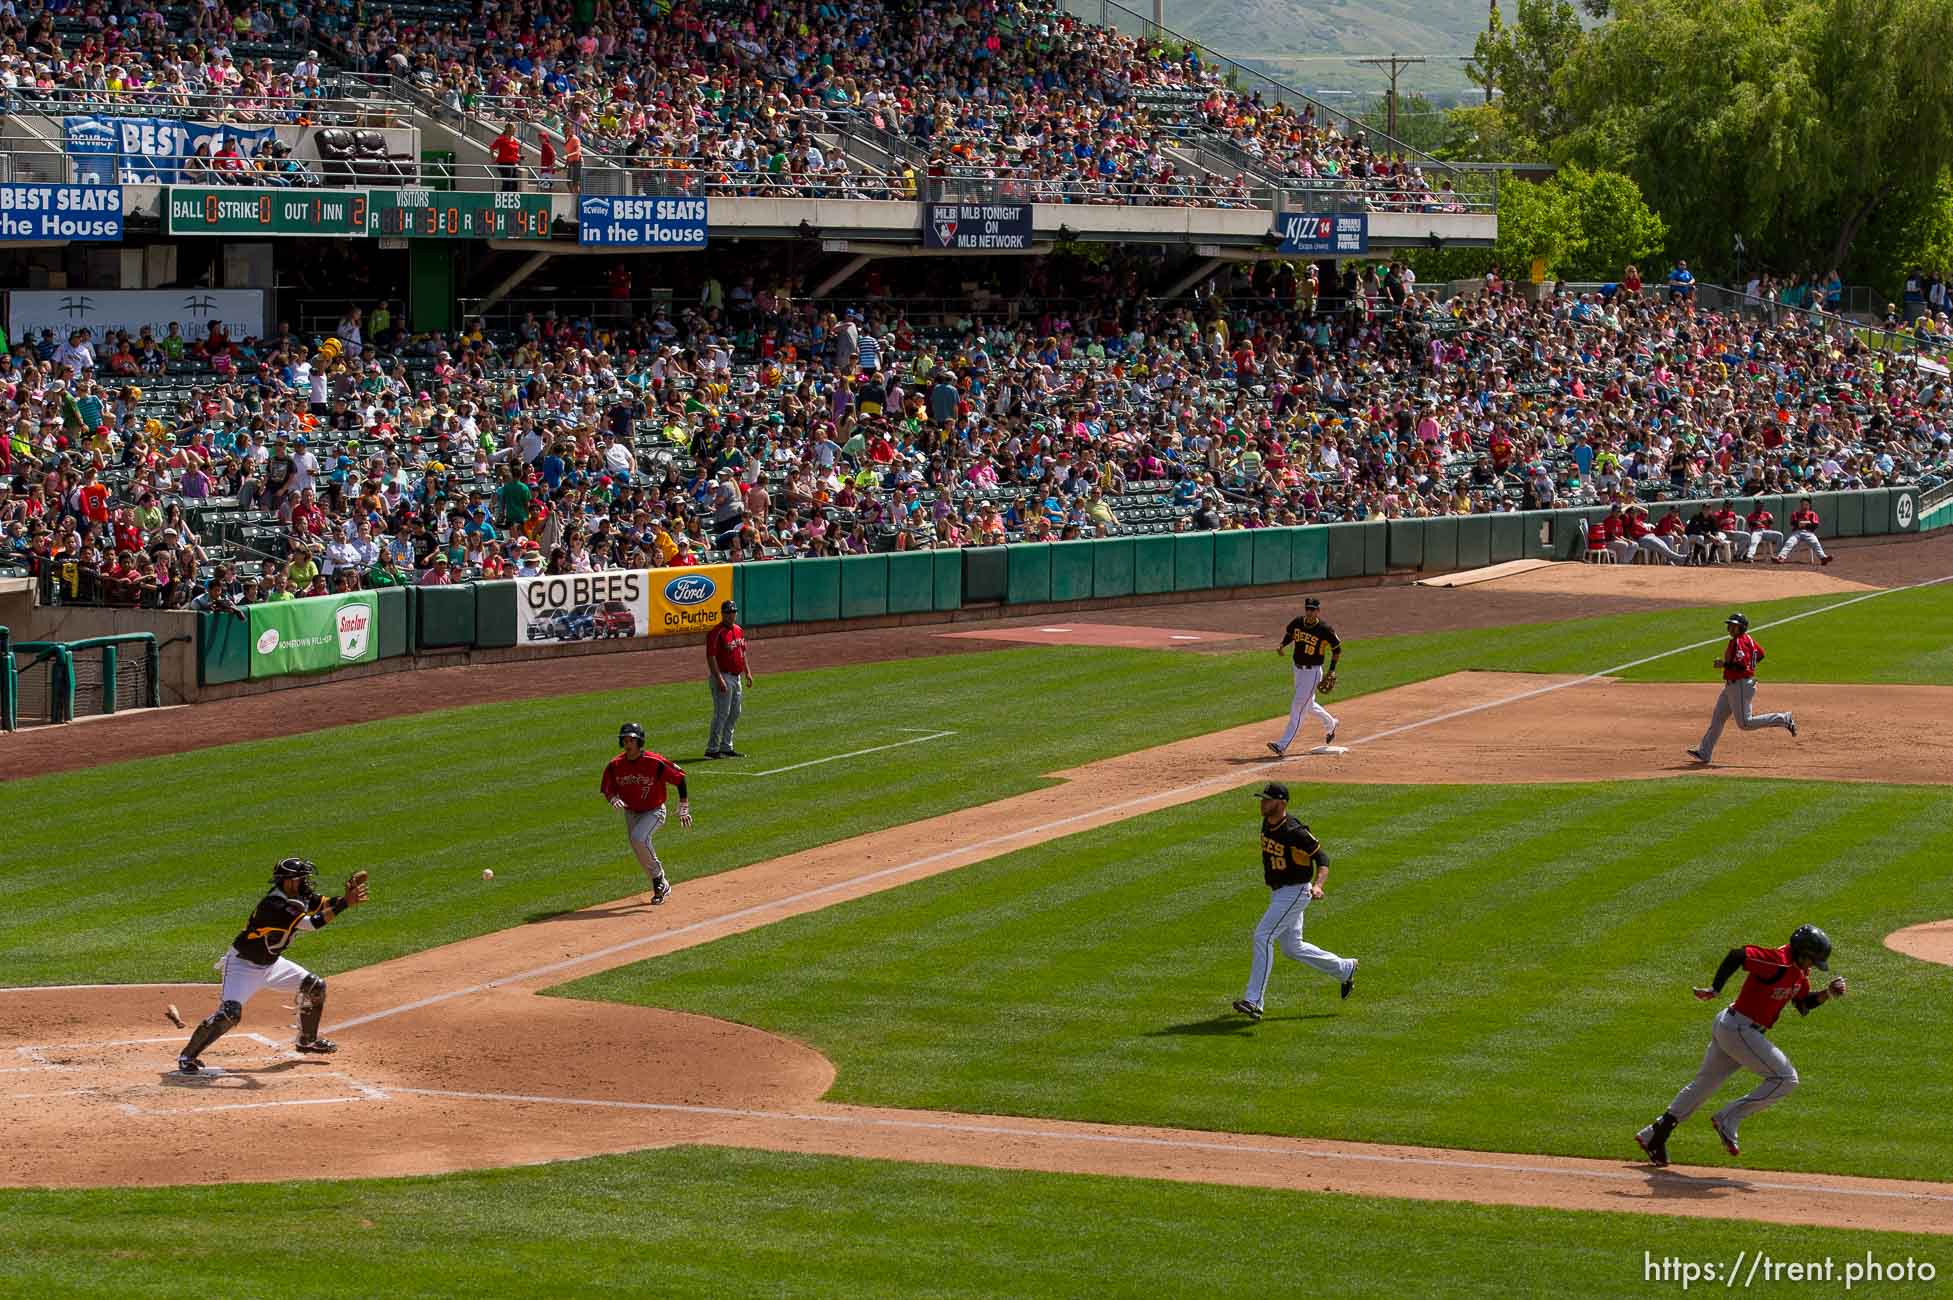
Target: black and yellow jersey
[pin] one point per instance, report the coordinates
(276, 918)
(1288, 853)
(1311, 641)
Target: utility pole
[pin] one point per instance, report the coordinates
(1395, 64)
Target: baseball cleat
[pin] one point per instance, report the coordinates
(710, 753)
(1349, 984)
(1698, 756)
(1790, 721)
(1330, 739)
(1728, 1138)
(730, 753)
(1826, 559)
(1247, 1008)
(1655, 1147)
(188, 1065)
(1277, 750)
(660, 891)
(317, 1046)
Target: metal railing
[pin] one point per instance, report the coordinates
(365, 109)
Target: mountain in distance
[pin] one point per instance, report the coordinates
(1307, 43)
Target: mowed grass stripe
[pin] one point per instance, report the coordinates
(1527, 954)
(713, 1222)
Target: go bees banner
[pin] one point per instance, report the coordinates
(573, 607)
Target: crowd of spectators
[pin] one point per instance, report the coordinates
(246, 63)
(744, 98)
(751, 424)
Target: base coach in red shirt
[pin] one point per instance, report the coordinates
(1776, 978)
(728, 676)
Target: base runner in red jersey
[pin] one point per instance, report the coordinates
(1738, 1040)
(634, 782)
(1738, 663)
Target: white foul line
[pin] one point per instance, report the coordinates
(835, 758)
(1143, 1140)
(1176, 795)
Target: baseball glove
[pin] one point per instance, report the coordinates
(1327, 684)
(356, 888)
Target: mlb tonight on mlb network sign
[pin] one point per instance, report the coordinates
(978, 227)
(644, 223)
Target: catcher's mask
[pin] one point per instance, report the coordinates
(299, 869)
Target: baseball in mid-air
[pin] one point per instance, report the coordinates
(487, 874)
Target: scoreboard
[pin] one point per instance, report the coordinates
(457, 214)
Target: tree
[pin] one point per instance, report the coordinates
(1520, 62)
(1616, 224)
(1794, 123)
(1421, 124)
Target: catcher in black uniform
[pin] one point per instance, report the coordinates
(256, 959)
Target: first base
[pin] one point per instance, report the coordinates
(1330, 749)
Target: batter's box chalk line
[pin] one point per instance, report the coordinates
(37, 1053)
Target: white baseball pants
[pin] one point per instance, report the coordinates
(641, 826)
(1282, 923)
(243, 979)
(1761, 536)
(1304, 704)
(1737, 1043)
(1802, 537)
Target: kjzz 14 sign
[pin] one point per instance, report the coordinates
(1324, 235)
(977, 227)
(567, 608)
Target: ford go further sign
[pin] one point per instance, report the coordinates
(645, 223)
(575, 607)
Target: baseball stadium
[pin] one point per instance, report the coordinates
(696, 647)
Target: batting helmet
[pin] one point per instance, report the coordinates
(729, 608)
(1740, 619)
(299, 869)
(1809, 941)
(630, 731)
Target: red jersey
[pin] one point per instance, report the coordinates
(1670, 525)
(1759, 520)
(1725, 520)
(725, 646)
(1634, 526)
(1740, 658)
(1804, 520)
(1773, 982)
(640, 783)
(94, 501)
(1610, 528)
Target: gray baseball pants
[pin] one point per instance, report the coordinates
(1737, 1043)
(725, 711)
(1738, 698)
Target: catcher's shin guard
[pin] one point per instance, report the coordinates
(311, 1007)
(213, 1027)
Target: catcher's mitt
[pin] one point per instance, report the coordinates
(356, 888)
(1327, 684)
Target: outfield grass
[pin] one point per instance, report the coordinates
(1527, 954)
(707, 1222)
(427, 801)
